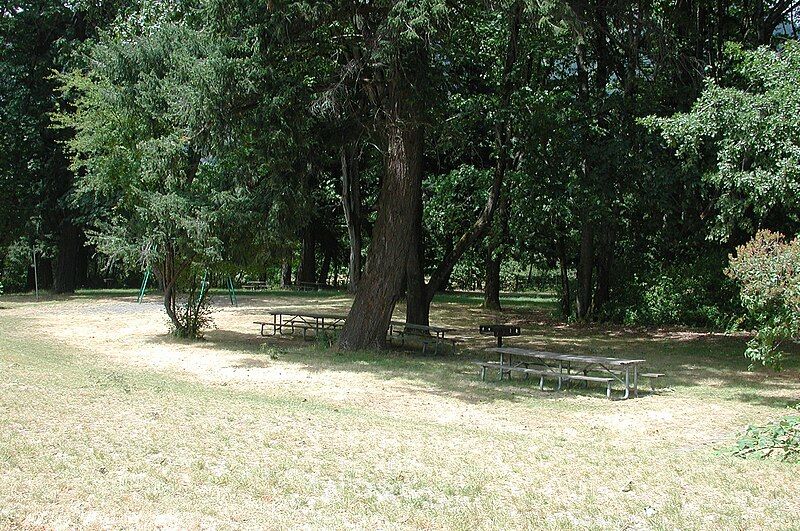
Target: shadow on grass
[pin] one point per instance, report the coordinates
(699, 367)
(696, 363)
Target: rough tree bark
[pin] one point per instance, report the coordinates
(382, 281)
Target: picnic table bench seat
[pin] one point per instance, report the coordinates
(651, 376)
(543, 373)
(280, 326)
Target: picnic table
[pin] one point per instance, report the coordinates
(429, 334)
(255, 285)
(499, 331)
(569, 367)
(309, 286)
(305, 321)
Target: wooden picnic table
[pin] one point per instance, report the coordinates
(499, 331)
(293, 319)
(566, 367)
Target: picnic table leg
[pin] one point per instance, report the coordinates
(635, 381)
(502, 357)
(627, 382)
(274, 325)
(560, 370)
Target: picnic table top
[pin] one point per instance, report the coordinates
(583, 358)
(302, 313)
(432, 328)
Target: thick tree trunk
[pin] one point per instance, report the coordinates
(382, 282)
(566, 304)
(308, 257)
(585, 267)
(69, 246)
(351, 203)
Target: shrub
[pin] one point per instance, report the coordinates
(15, 264)
(780, 438)
(768, 272)
(696, 294)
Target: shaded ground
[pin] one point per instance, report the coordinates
(106, 420)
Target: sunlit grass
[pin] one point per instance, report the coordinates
(107, 422)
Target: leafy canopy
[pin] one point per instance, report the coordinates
(745, 138)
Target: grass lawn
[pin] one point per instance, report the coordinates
(106, 421)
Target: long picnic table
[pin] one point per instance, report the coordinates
(293, 319)
(566, 367)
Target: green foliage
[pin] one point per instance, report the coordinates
(193, 317)
(744, 136)
(768, 271)
(779, 439)
(16, 262)
(692, 293)
(169, 162)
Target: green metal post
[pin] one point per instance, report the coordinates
(144, 285)
(203, 284)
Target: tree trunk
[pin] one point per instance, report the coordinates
(585, 267)
(566, 305)
(418, 294)
(308, 257)
(586, 249)
(326, 267)
(491, 290)
(382, 282)
(351, 202)
(167, 274)
(605, 255)
(69, 246)
(420, 300)
(286, 273)
(45, 270)
(494, 259)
